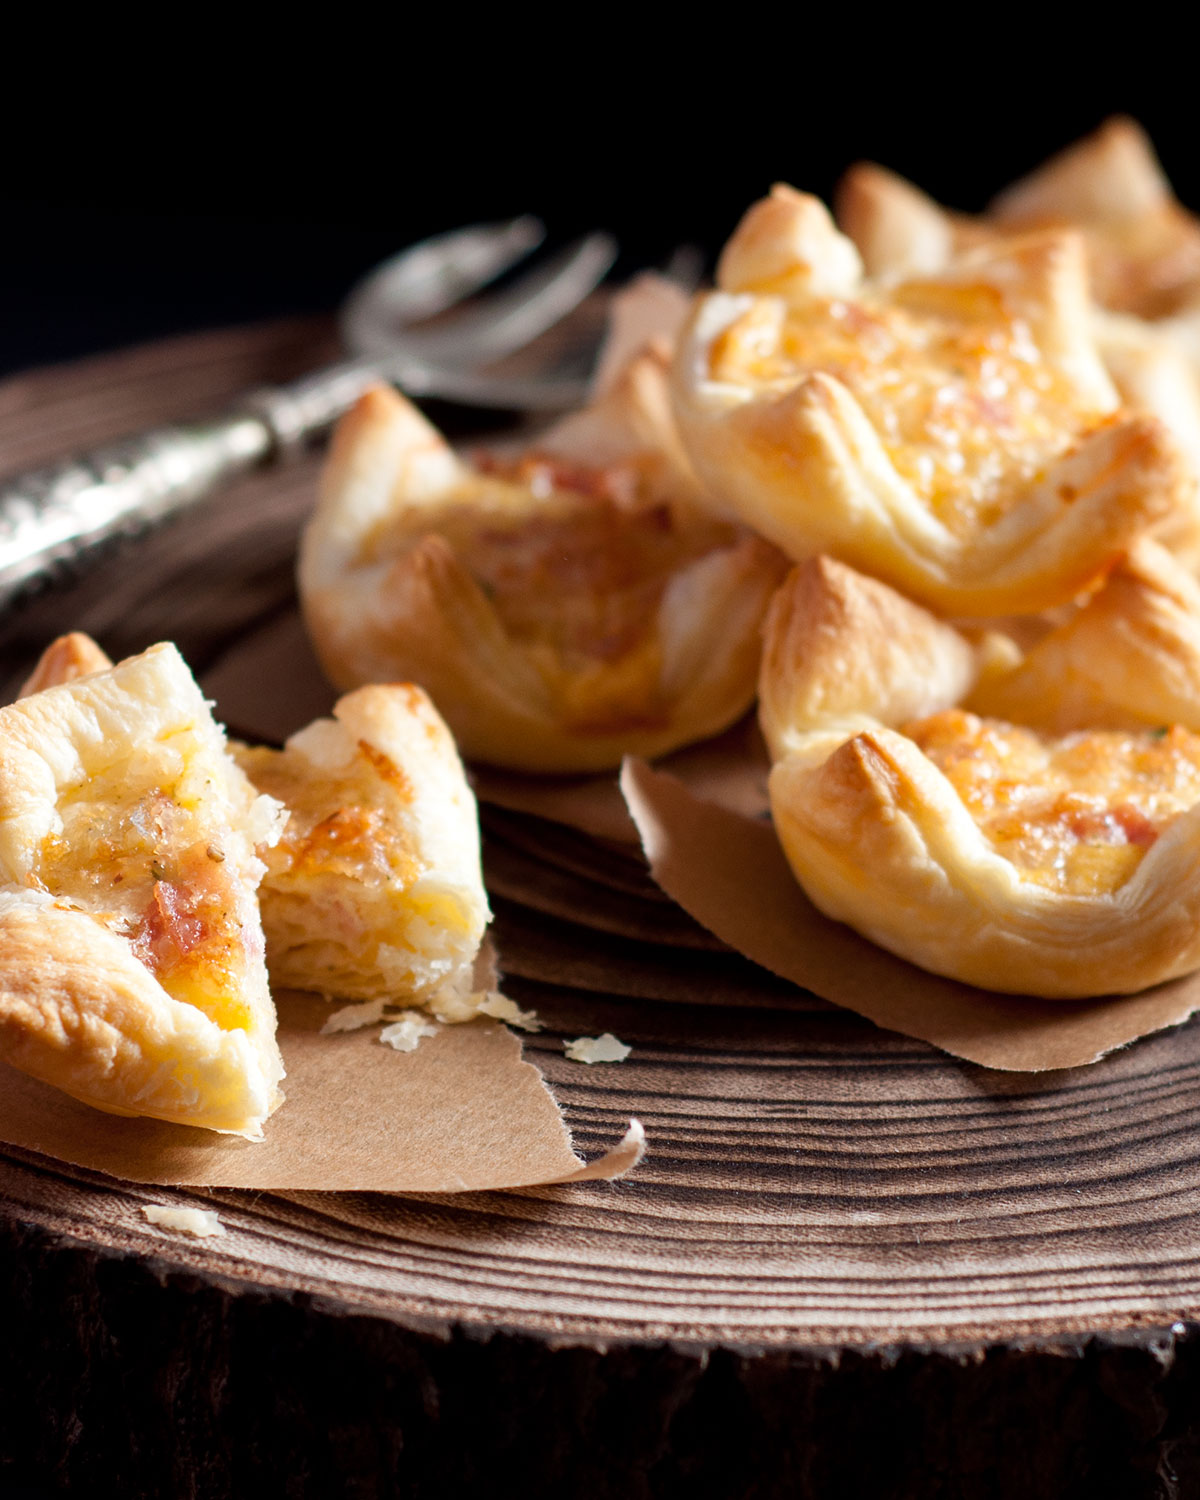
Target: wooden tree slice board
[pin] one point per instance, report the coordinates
(850, 1265)
(555, 893)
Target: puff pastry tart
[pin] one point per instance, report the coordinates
(955, 434)
(375, 888)
(132, 973)
(1062, 864)
(562, 608)
(1143, 246)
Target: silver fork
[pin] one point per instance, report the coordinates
(55, 521)
(382, 316)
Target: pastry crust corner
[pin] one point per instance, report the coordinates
(841, 648)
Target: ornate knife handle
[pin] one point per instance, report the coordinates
(54, 522)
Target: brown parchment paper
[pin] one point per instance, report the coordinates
(728, 871)
(462, 1111)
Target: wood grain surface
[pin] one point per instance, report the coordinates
(850, 1265)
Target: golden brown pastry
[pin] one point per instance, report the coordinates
(374, 890)
(896, 228)
(65, 660)
(955, 434)
(647, 312)
(1143, 246)
(1140, 244)
(1128, 657)
(1153, 373)
(1063, 863)
(562, 608)
(131, 955)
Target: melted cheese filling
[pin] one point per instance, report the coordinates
(343, 823)
(141, 863)
(1076, 814)
(575, 562)
(956, 388)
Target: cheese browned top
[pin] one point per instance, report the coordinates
(141, 860)
(573, 559)
(1078, 813)
(953, 382)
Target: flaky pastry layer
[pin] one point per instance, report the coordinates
(1143, 246)
(374, 890)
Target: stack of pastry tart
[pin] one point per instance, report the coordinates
(977, 440)
(1014, 803)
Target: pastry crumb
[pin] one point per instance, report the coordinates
(405, 1033)
(354, 1017)
(503, 1009)
(597, 1049)
(200, 1222)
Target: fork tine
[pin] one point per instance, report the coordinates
(431, 276)
(685, 267)
(504, 321)
(314, 401)
(513, 393)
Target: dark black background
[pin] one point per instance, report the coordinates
(219, 177)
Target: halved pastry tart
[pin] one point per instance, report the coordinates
(953, 433)
(1060, 861)
(374, 890)
(563, 607)
(132, 973)
(373, 887)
